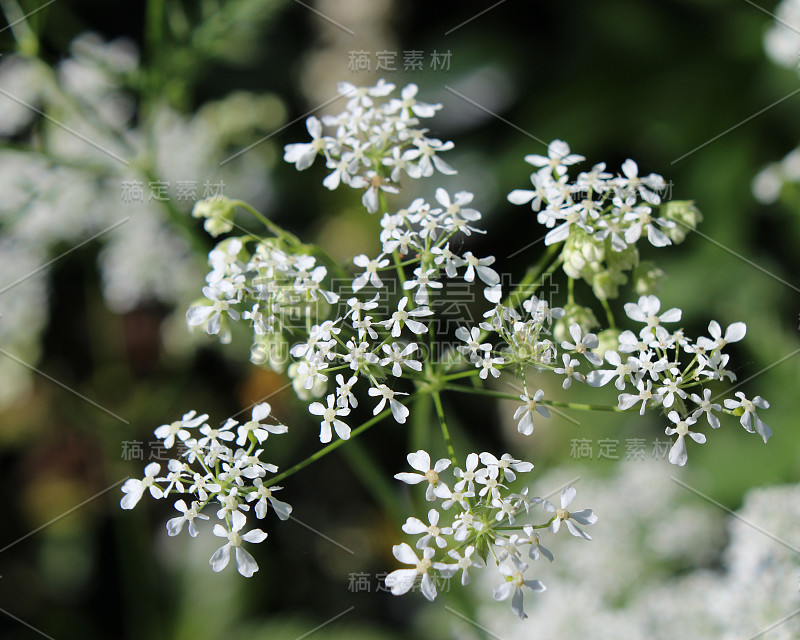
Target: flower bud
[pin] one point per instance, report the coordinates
(608, 340)
(218, 212)
(647, 278)
(606, 284)
(574, 314)
(685, 214)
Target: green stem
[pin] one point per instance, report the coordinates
(549, 403)
(609, 315)
(331, 447)
(437, 401)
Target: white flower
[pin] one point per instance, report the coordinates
(432, 531)
(302, 155)
(467, 475)
(507, 464)
(397, 357)
(670, 389)
(175, 525)
(621, 371)
(263, 493)
(222, 297)
(582, 344)
(167, 432)
(568, 370)
(481, 267)
(749, 419)
(371, 271)
(646, 310)
(422, 281)
(462, 563)
(584, 516)
(706, 406)
(214, 435)
(245, 563)
(399, 411)
(260, 431)
(401, 318)
(330, 415)
(677, 454)
(401, 580)
(557, 160)
(487, 365)
(471, 337)
(733, 333)
(525, 413)
(134, 488)
(421, 461)
(645, 395)
(512, 587)
(536, 547)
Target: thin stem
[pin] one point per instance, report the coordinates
(609, 314)
(549, 403)
(437, 401)
(331, 447)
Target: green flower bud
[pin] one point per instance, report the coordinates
(608, 340)
(624, 260)
(218, 212)
(606, 284)
(685, 215)
(647, 278)
(574, 314)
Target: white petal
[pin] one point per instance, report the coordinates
(221, 557)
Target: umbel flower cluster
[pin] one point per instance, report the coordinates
(370, 337)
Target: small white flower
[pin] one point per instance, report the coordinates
(432, 532)
(568, 370)
(481, 267)
(507, 464)
(706, 406)
(462, 563)
(401, 580)
(399, 410)
(264, 495)
(401, 318)
(512, 587)
(582, 344)
(646, 310)
(245, 563)
(749, 419)
(302, 155)
(256, 426)
(677, 454)
(584, 516)
(487, 365)
(557, 160)
(175, 525)
(422, 281)
(330, 417)
(134, 488)
(733, 333)
(645, 395)
(397, 356)
(167, 432)
(525, 413)
(421, 461)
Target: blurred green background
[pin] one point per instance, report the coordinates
(683, 87)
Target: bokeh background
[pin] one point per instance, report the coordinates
(97, 98)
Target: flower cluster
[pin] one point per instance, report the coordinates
(339, 330)
(211, 472)
(374, 132)
(601, 217)
(483, 513)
